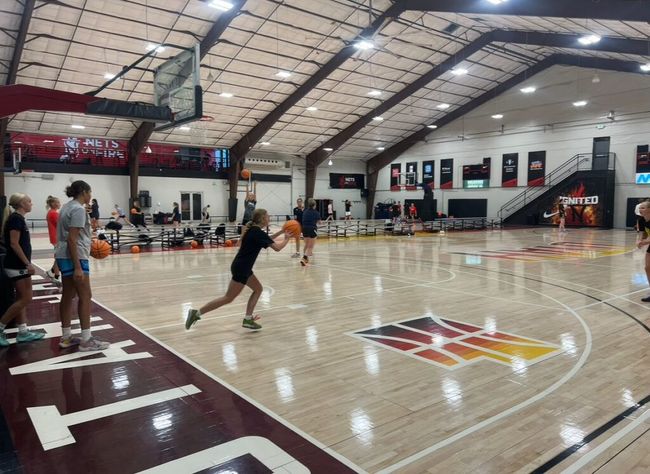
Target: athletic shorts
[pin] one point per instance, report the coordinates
(15, 274)
(309, 233)
(67, 267)
(240, 275)
(348, 213)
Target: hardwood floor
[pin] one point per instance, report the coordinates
(498, 351)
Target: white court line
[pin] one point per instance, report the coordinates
(623, 297)
(514, 409)
(591, 455)
(342, 459)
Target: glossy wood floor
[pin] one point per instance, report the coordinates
(517, 359)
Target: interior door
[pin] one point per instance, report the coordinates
(600, 153)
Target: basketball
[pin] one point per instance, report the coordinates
(245, 173)
(194, 244)
(292, 226)
(135, 249)
(100, 249)
(228, 243)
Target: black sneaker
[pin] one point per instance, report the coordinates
(646, 299)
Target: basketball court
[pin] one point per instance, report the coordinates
(460, 331)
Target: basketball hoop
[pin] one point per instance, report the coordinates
(199, 129)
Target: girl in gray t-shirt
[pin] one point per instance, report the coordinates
(72, 253)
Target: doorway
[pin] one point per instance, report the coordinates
(191, 205)
(600, 153)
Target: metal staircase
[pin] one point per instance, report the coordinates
(579, 162)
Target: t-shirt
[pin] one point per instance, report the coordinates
(176, 215)
(637, 209)
(309, 219)
(297, 212)
(73, 214)
(348, 206)
(562, 212)
(94, 211)
(255, 239)
(16, 221)
(330, 209)
(52, 220)
(249, 208)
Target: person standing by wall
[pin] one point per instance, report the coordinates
(348, 210)
(94, 214)
(18, 269)
(176, 215)
(330, 211)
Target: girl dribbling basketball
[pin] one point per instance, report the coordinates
(253, 240)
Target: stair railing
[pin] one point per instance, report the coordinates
(579, 162)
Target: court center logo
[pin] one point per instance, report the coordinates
(454, 344)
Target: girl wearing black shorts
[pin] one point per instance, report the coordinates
(253, 239)
(562, 215)
(176, 216)
(310, 220)
(18, 269)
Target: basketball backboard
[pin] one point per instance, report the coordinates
(177, 84)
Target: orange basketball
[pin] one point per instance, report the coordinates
(194, 244)
(100, 249)
(135, 249)
(292, 226)
(228, 243)
(245, 173)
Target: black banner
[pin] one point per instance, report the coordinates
(536, 168)
(447, 173)
(395, 171)
(476, 176)
(510, 170)
(428, 172)
(587, 202)
(347, 181)
(642, 165)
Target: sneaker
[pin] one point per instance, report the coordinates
(251, 323)
(193, 316)
(646, 299)
(55, 279)
(93, 344)
(3, 340)
(296, 255)
(68, 342)
(304, 261)
(29, 336)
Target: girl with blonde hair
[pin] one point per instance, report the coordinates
(18, 269)
(253, 239)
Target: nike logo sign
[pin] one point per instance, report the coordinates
(547, 215)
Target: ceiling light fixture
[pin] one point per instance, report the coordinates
(147, 149)
(497, 2)
(381, 148)
(528, 90)
(312, 109)
(645, 67)
(157, 47)
(588, 40)
(108, 75)
(185, 128)
(44, 141)
(227, 95)
(443, 106)
(265, 143)
(459, 71)
(221, 5)
(329, 163)
(378, 119)
(283, 74)
(328, 149)
(363, 45)
(497, 116)
(595, 79)
(432, 127)
(580, 103)
(78, 127)
(374, 93)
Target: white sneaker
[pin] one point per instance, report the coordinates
(93, 344)
(56, 280)
(296, 255)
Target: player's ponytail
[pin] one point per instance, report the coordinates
(76, 189)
